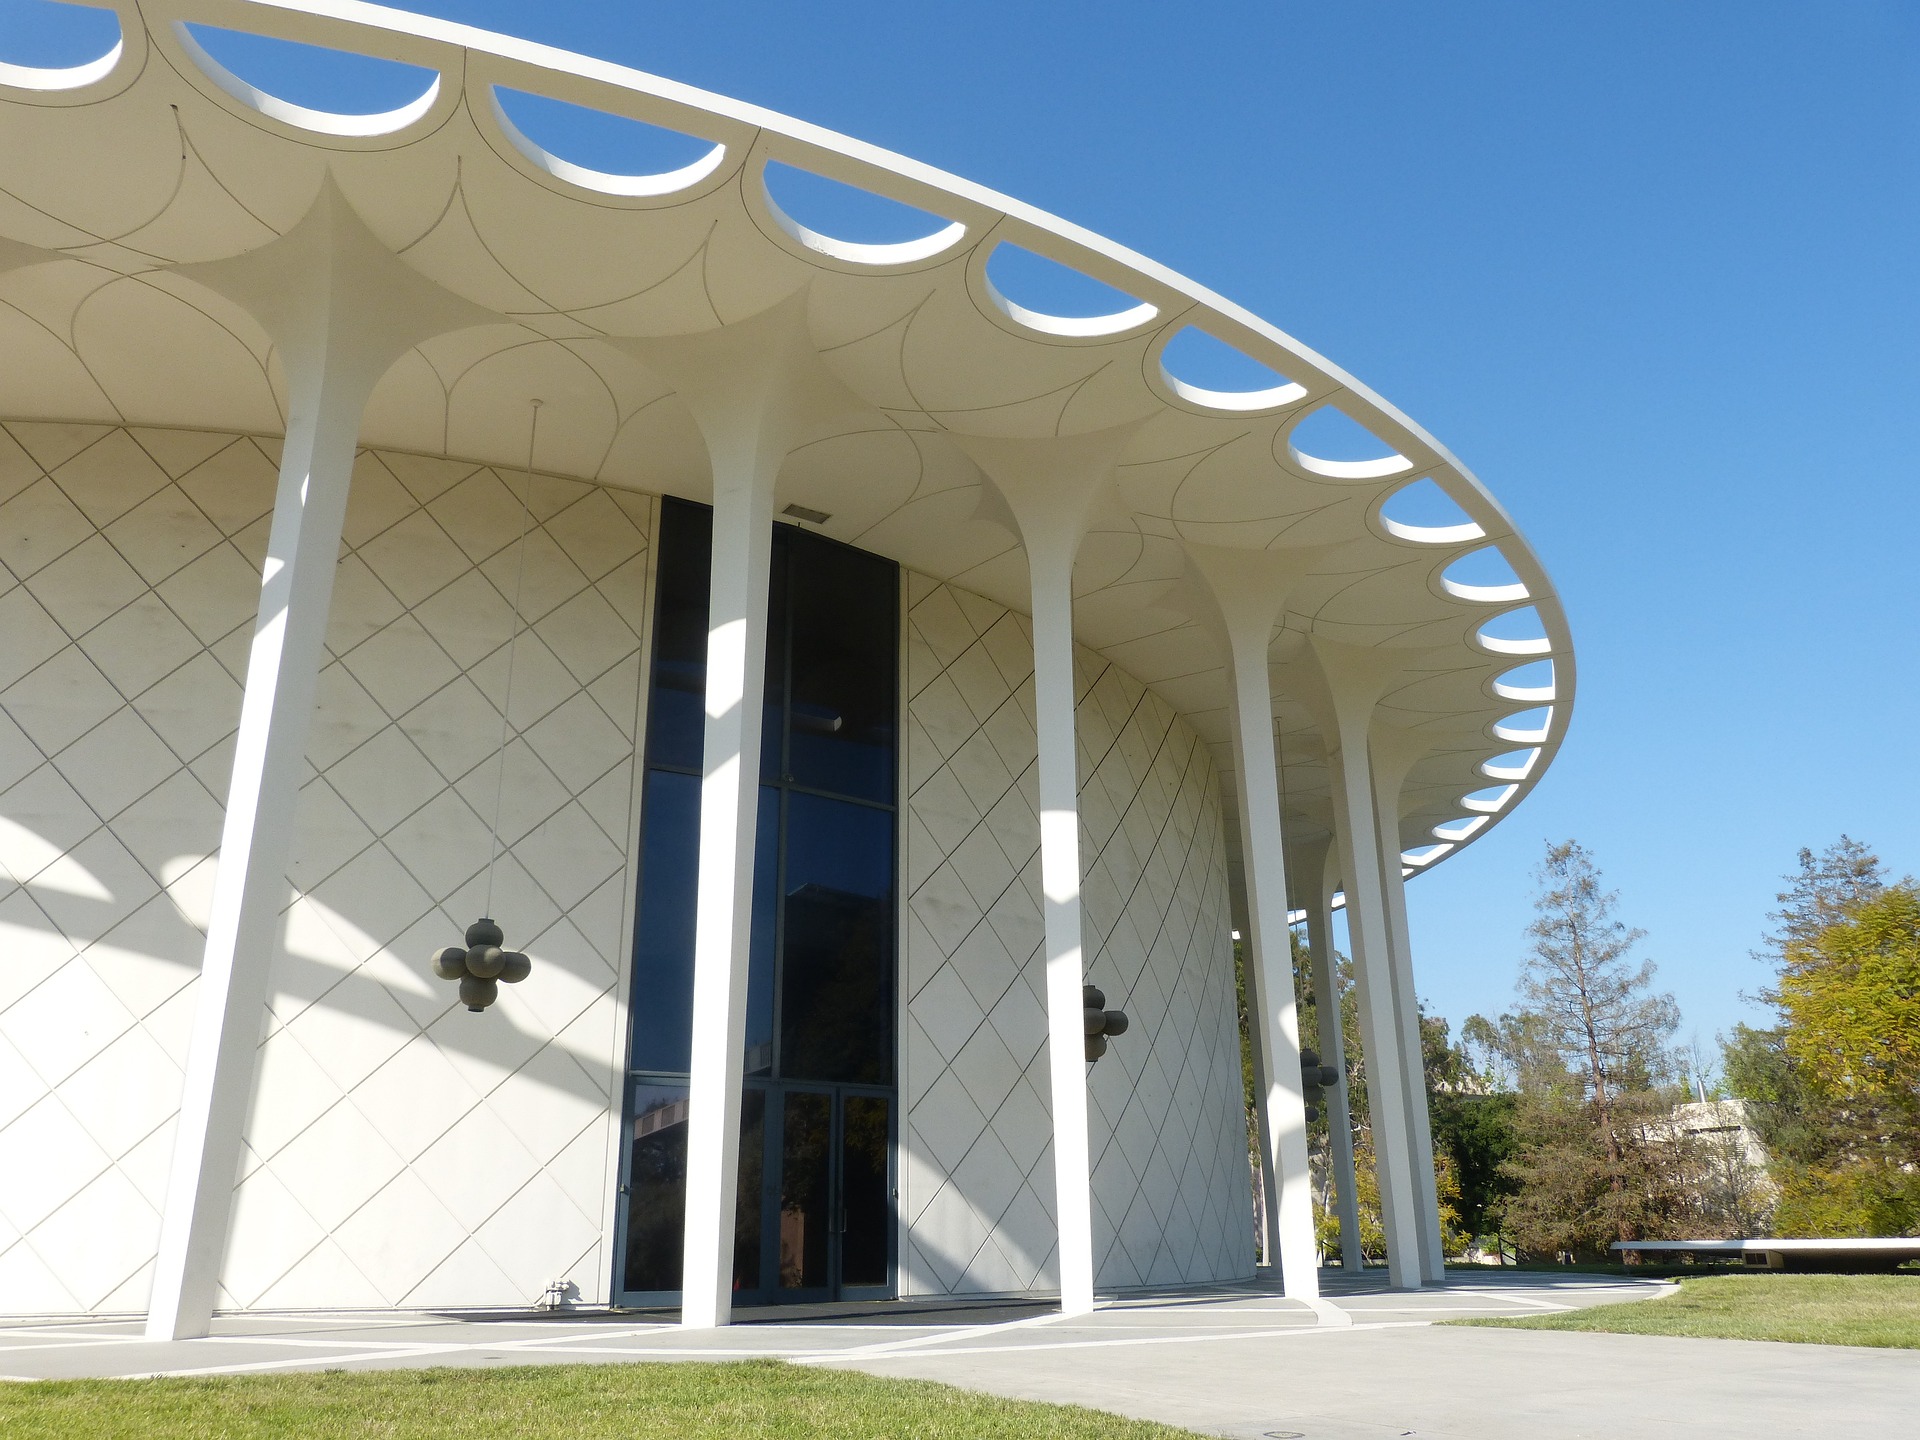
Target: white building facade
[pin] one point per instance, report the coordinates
(403, 524)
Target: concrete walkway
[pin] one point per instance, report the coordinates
(1233, 1361)
(1393, 1373)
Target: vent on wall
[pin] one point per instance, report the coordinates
(801, 512)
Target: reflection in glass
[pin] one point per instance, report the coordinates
(845, 658)
(805, 1187)
(836, 1008)
(774, 709)
(676, 706)
(746, 1211)
(865, 1208)
(820, 972)
(663, 935)
(757, 1059)
(657, 1187)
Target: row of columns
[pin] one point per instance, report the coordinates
(1243, 594)
(341, 309)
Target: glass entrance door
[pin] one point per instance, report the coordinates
(818, 1223)
(866, 1196)
(816, 1189)
(803, 1262)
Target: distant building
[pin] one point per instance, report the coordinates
(1724, 1124)
(1737, 1194)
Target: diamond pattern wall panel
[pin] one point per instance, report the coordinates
(129, 565)
(403, 1150)
(400, 1150)
(1172, 1202)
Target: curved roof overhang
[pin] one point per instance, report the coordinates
(156, 157)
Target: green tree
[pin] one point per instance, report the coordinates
(1757, 1069)
(1833, 1089)
(1588, 1053)
(1793, 1121)
(1473, 1127)
(1823, 888)
(1455, 1156)
(1849, 1000)
(1466, 1142)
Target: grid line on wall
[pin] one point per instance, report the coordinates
(492, 1187)
(126, 642)
(129, 564)
(977, 1158)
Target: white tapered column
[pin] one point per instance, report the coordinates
(1355, 679)
(1406, 1011)
(1333, 1051)
(1052, 573)
(1393, 1145)
(729, 819)
(1263, 1159)
(1248, 590)
(341, 309)
(1046, 492)
(742, 385)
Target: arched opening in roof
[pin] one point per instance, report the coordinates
(50, 46)
(1512, 767)
(1206, 370)
(1424, 855)
(601, 151)
(851, 223)
(1328, 441)
(1489, 799)
(336, 92)
(1525, 727)
(1484, 576)
(1057, 299)
(1526, 682)
(1515, 632)
(1423, 511)
(1462, 829)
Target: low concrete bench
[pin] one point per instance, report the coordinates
(1834, 1256)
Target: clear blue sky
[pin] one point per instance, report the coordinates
(1652, 270)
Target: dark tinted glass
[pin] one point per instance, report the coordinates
(773, 737)
(663, 930)
(836, 979)
(758, 1057)
(820, 977)
(676, 710)
(844, 658)
(746, 1213)
(805, 1188)
(657, 1187)
(866, 1214)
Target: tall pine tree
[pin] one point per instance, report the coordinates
(1589, 1048)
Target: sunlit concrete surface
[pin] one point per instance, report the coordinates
(1237, 1361)
(977, 1336)
(1246, 1366)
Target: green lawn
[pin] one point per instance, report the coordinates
(1880, 1310)
(759, 1400)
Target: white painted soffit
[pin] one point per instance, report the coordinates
(156, 156)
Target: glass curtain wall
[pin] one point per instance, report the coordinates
(818, 1113)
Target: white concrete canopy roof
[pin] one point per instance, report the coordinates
(119, 173)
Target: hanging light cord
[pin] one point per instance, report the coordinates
(513, 644)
